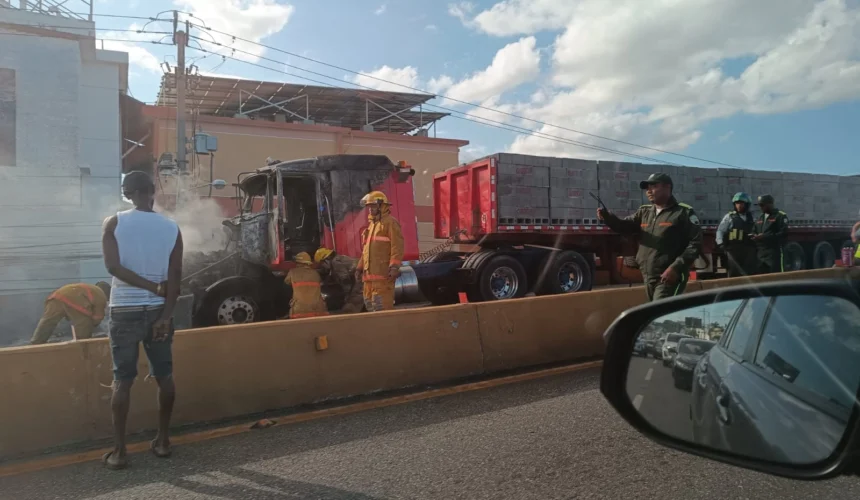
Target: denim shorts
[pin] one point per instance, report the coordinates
(129, 326)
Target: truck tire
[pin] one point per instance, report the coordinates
(565, 272)
(503, 277)
(794, 257)
(229, 302)
(823, 255)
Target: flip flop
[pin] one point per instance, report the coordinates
(154, 449)
(113, 466)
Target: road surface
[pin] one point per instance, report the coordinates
(652, 391)
(548, 438)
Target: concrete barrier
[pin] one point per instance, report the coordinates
(831, 273)
(58, 394)
(541, 330)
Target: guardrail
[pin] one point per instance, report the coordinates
(59, 394)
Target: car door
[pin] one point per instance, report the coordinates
(721, 417)
(802, 380)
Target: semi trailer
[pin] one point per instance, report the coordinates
(509, 224)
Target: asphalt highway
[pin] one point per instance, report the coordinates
(553, 437)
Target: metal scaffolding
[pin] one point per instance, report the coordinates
(72, 9)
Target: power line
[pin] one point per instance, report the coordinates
(479, 106)
(479, 120)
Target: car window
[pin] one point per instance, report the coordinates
(694, 347)
(814, 343)
(748, 325)
(674, 337)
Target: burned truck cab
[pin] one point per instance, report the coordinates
(299, 206)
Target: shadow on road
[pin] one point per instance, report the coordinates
(268, 487)
(226, 455)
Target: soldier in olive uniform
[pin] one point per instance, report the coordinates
(670, 238)
(734, 238)
(769, 234)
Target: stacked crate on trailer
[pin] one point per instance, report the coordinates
(519, 222)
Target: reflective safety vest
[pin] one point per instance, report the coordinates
(83, 298)
(740, 229)
(382, 247)
(307, 301)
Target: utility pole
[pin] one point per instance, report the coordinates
(180, 38)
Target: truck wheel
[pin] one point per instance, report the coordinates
(503, 277)
(795, 257)
(229, 305)
(565, 272)
(823, 255)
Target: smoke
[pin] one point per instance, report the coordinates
(50, 235)
(200, 220)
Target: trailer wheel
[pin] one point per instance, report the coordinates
(823, 255)
(794, 257)
(503, 277)
(565, 272)
(229, 303)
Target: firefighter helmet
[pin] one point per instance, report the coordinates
(322, 254)
(375, 197)
(304, 258)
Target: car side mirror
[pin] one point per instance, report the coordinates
(766, 378)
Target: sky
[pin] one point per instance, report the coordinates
(770, 84)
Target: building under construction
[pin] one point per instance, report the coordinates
(256, 120)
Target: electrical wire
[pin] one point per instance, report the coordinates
(466, 117)
(479, 106)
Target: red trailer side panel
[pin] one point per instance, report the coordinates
(465, 200)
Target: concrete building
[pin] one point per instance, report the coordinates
(254, 120)
(60, 150)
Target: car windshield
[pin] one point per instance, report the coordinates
(697, 347)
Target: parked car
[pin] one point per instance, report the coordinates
(690, 351)
(670, 347)
(639, 348)
(658, 348)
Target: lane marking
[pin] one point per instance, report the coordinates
(196, 437)
(648, 375)
(637, 401)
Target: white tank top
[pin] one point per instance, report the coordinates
(146, 240)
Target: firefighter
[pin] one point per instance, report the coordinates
(340, 269)
(670, 238)
(307, 301)
(81, 303)
(733, 237)
(769, 234)
(381, 255)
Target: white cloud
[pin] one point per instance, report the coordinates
(253, 20)
(431, 27)
(656, 79)
(380, 10)
(139, 56)
(461, 10)
(472, 152)
(388, 77)
(440, 84)
(513, 65)
(521, 17)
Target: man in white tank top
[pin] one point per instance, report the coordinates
(143, 252)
